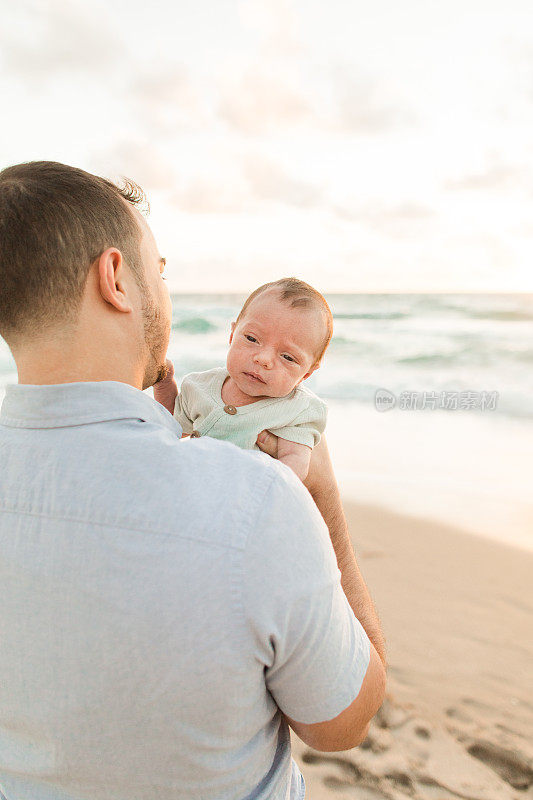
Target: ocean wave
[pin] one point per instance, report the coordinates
(524, 355)
(490, 314)
(376, 315)
(194, 325)
(355, 347)
(430, 359)
(503, 316)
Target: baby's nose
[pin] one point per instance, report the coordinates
(264, 357)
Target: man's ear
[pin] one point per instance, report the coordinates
(111, 280)
(232, 329)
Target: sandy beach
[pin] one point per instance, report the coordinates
(457, 721)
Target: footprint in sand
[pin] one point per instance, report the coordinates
(477, 704)
(512, 601)
(372, 553)
(407, 757)
(391, 715)
(507, 729)
(458, 714)
(511, 766)
(351, 775)
(383, 784)
(403, 676)
(422, 732)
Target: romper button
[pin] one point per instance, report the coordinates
(230, 410)
(195, 435)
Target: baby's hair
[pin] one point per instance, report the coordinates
(297, 294)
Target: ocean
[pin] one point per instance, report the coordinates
(453, 438)
(397, 342)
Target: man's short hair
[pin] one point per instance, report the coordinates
(298, 294)
(55, 221)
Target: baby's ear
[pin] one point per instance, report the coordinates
(311, 370)
(232, 329)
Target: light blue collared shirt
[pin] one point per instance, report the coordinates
(161, 601)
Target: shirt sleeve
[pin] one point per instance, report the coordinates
(181, 408)
(314, 651)
(307, 426)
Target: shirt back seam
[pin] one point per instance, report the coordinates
(112, 525)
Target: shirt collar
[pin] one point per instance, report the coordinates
(65, 404)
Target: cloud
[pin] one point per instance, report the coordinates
(60, 38)
(166, 102)
(364, 105)
(263, 93)
(282, 80)
(399, 220)
(137, 160)
(281, 90)
(497, 176)
(268, 181)
(406, 211)
(276, 22)
(258, 102)
(206, 195)
(243, 187)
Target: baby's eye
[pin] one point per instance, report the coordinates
(250, 338)
(289, 358)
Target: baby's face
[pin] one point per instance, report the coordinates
(273, 348)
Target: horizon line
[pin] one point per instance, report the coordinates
(525, 292)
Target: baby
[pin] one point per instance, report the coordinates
(277, 341)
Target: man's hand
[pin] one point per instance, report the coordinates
(166, 390)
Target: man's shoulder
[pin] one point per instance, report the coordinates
(236, 467)
(156, 451)
(213, 489)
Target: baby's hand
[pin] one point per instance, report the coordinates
(166, 390)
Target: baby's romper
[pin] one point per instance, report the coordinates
(299, 416)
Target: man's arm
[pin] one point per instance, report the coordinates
(349, 728)
(322, 486)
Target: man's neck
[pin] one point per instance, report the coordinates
(49, 364)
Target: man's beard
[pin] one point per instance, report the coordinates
(155, 337)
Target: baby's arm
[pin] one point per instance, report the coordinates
(296, 456)
(297, 438)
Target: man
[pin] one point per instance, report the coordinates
(168, 607)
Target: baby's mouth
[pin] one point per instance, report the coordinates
(255, 377)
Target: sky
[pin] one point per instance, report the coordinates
(380, 147)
